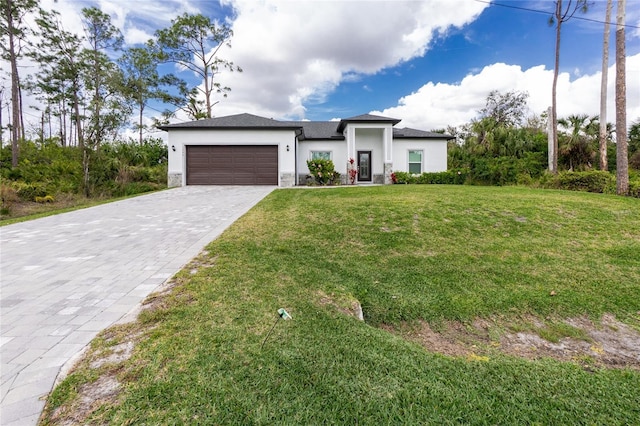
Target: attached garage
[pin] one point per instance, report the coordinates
(232, 164)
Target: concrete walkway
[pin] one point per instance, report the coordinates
(64, 278)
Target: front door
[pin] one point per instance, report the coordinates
(364, 166)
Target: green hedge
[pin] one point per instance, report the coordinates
(591, 181)
(450, 177)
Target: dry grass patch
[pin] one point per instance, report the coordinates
(608, 343)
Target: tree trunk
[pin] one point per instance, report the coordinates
(622, 161)
(140, 122)
(15, 85)
(63, 124)
(76, 110)
(554, 112)
(603, 89)
(22, 128)
(207, 92)
(1, 123)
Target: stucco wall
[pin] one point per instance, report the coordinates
(179, 138)
(338, 151)
(434, 157)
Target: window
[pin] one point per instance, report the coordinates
(415, 162)
(321, 155)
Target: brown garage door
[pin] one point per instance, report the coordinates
(232, 165)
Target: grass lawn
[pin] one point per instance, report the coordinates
(408, 255)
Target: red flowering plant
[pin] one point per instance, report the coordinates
(352, 171)
(394, 178)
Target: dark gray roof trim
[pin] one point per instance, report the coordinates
(408, 133)
(366, 118)
(310, 130)
(238, 121)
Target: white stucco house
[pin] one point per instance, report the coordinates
(245, 149)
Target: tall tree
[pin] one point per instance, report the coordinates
(14, 32)
(142, 83)
(576, 145)
(61, 68)
(1, 122)
(602, 135)
(193, 42)
(101, 75)
(506, 109)
(562, 13)
(622, 162)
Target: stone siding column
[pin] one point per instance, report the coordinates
(388, 169)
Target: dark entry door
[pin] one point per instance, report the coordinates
(364, 166)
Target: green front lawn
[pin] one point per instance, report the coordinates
(407, 254)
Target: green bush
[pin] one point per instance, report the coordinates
(46, 168)
(403, 177)
(323, 172)
(634, 188)
(30, 191)
(133, 188)
(591, 181)
(506, 170)
(450, 177)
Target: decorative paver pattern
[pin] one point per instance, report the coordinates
(64, 278)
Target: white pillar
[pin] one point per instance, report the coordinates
(351, 141)
(388, 144)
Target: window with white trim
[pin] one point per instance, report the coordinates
(415, 162)
(321, 155)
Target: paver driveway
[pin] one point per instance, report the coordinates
(64, 278)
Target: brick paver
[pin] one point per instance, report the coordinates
(64, 278)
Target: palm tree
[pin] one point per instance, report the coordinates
(577, 143)
(603, 89)
(622, 162)
(562, 14)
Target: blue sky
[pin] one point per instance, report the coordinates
(430, 63)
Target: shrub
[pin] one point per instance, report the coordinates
(29, 191)
(450, 177)
(323, 172)
(45, 199)
(634, 188)
(403, 177)
(133, 188)
(591, 181)
(9, 196)
(352, 171)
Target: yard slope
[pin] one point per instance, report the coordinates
(409, 255)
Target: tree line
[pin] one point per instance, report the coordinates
(564, 10)
(89, 85)
(505, 145)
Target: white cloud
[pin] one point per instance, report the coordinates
(136, 36)
(297, 52)
(436, 105)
